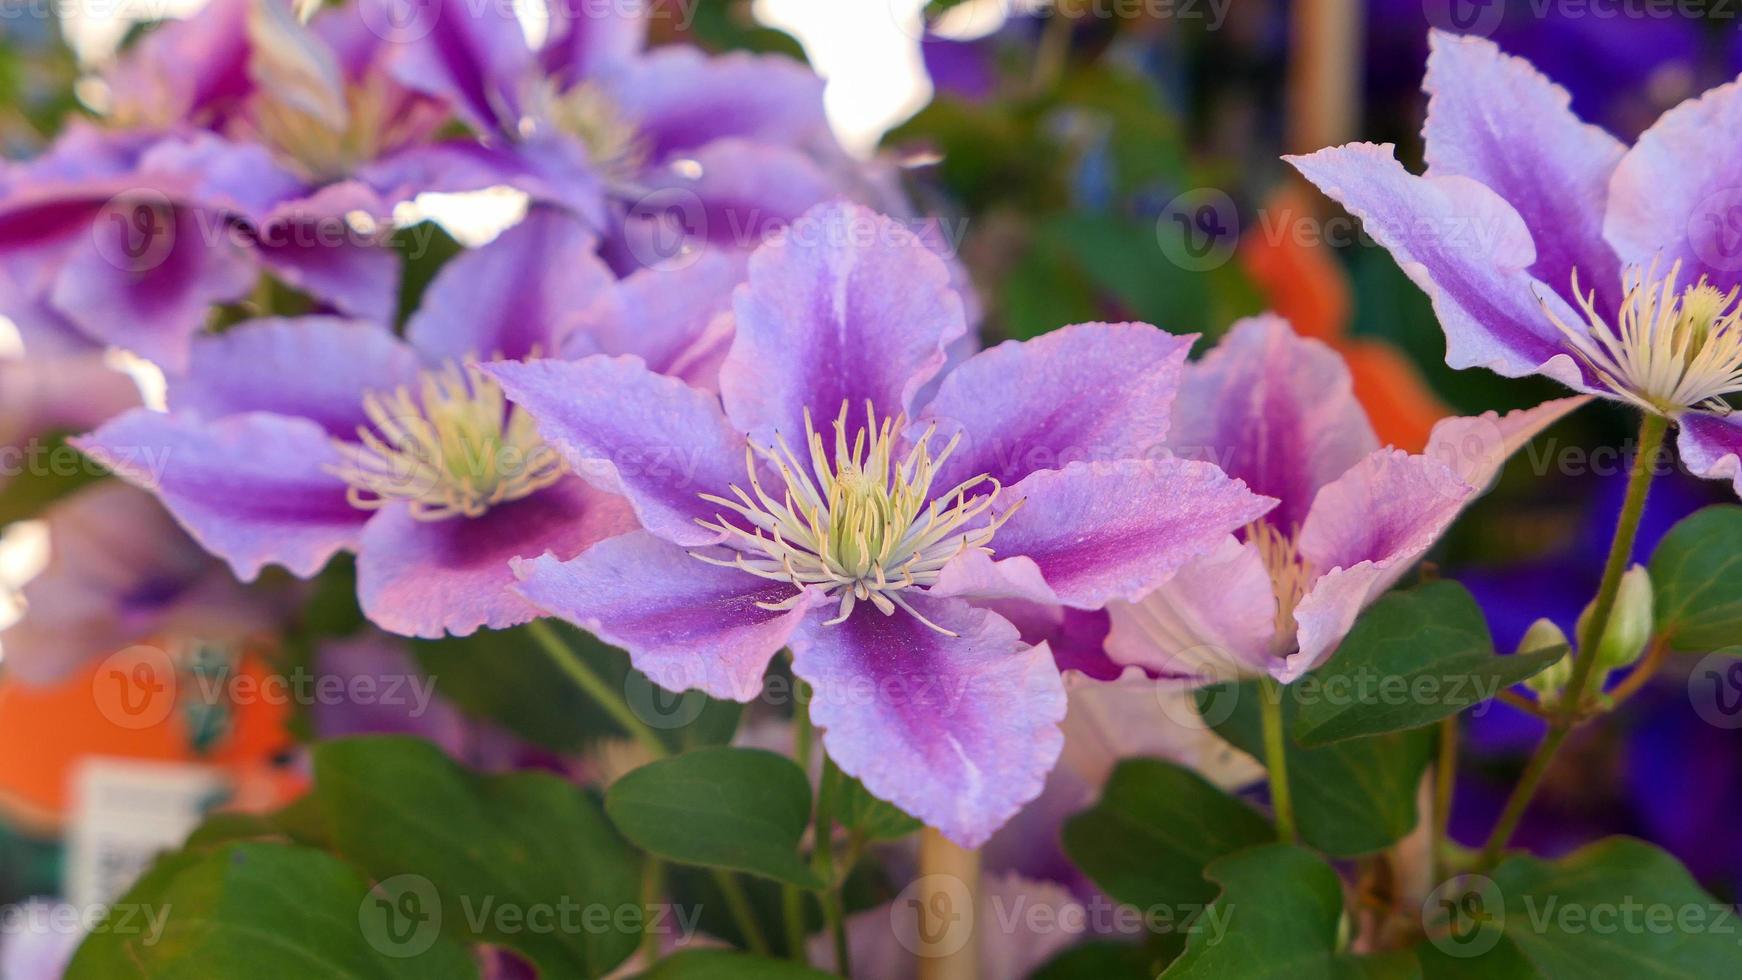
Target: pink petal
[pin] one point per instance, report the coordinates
(1273, 409)
(427, 578)
(687, 625)
(959, 731)
(1091, 392)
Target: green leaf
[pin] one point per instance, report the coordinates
(1157, 825)
(1099, 961)
(719, 964)
(506, 677)
(503, 676)
(1277, 918)
(50, 471)
(739, 809)
(1412, 659)
(1617, 908)
(854, 808)
(266, 912)
(503, 853)
(1697, 575)
(1351, 798)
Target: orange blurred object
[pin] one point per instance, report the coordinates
(1302, 281)
(128, 706)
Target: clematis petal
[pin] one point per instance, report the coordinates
(513, 296)
(588, 42)
(845, 308)
(656, 314)
(731, 195)
(1365, 530)
(1090, 392)
(311, 244)
(626, 430)
(426, 578)
(252, 489)
(959, 731)
(1276, 410)
(1092, 533)
(1477, 447)
(681, 98)
(119, 570)
(1466, 248)
(1214, 621)
(150, 292)
(315, 367)
(476, 57)
(1496, 119)
(687, 625)
(1677, 193)
(1711, 447)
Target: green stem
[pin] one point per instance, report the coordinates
(1445, 777)
(652, 886)
(582, 674)
(1276, 760)
(823, 861)
(791, 897)
(1652, 429)
(738, 904)
(589, 680)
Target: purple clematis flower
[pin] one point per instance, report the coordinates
(1276, 410)
(865, 546)
(1550, 248)
(238, 141)
(290, 440)
(657, 148)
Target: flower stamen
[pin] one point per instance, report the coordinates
(1671, 349)
(1290, 578)
(860, 524)
(454, 447)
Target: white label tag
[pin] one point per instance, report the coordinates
(125, 813)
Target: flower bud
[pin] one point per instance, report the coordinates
(1548, 685)
(1630, 623)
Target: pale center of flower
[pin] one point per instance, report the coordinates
(615, 145)
(325, 140)
(1671, 348)
(861, 524)
(1290, 578)
(450, 446)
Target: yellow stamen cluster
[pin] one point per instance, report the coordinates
(615, 145)
(1290, 578)
(453, 447)
(861, 524)
(333, 142)
(1672, 349)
